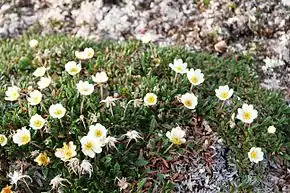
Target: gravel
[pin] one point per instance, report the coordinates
(248, 27)
(211, 170)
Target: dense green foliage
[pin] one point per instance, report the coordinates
(134, 69)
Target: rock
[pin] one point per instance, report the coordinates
(221, 47)
(84, 31)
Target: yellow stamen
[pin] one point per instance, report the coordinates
(24, 139)
(88, 146)
(253, 154)
(2, 139)
(37, 123)
(73, 70)
(224, 95)
(194, 79)
(98, 133)
(188, 103)
(150, 100)
(176, 140)
(247, 115)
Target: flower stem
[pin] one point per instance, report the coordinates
(82, 105)
(191, 87)
(221, 107)
(111, 109)
(101, 89)
(126, 108)
(168, 148)
(60, 122)
(175, 77)
(29, 112)
(39, 147)
(27, 186)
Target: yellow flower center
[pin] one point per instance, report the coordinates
(58, 112)
(176, 140)
(73, 70)
(90, 54)
(36, 99)
(188, 103)
(85, 89)
(24, 139)
(194, 79)
(150, 99)
(67, 153)
(247, 115)
(98, 133)
(14, 95)
(37, 123)
(253, 154)
(178, 68)
(2, 139)
(224, 95)
(88, 146)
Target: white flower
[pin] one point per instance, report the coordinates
(89, 53)
(73, 68)
(57, 182)
(271, 129)
(145, 38)
(176, 136)
(86, 167)
(39, 71)
(35, 97)
(16, 176)
(110, 141)
(189, 100)
(100, 77)
(285, 2)
(37, 122)
(57, 111)
(80, 55)
(255, 154)
(22, 136)
(224, 92)
(247, 113)
(67, 152)
(44, 82)
(195, 77)
(85, 88)
(33, 43)
(12, 93)
(132, 135)
(98, 131)
(150, 99)
(91, 146)
(3, 140)
(178, 66)
(109, 101)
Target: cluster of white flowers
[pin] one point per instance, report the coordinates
(96, 138)
(93, 142)
(88, 53)
(246, 114)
